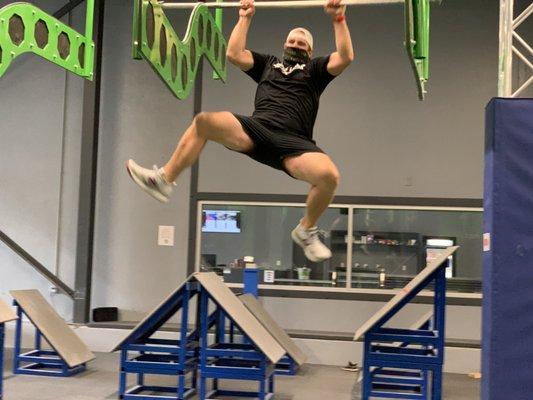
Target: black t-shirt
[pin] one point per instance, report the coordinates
(288, 101)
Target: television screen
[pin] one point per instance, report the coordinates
(221, 221)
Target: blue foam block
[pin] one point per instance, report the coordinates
(507, 355)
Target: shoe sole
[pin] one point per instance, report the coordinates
(300, 243)
(144, 187)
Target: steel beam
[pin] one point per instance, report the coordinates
(88, 168)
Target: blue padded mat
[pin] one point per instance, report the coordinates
(507, 355)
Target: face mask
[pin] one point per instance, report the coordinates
(292, 55)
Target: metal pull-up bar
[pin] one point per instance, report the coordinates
(282, 4)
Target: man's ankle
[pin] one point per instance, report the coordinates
(305, 224)
(164, 175)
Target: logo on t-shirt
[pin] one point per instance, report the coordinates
(288, 70)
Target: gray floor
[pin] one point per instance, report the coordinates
(100, 381)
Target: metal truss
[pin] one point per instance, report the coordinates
(511, 45)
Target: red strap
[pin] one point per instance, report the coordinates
(340, 18)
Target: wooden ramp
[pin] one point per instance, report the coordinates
(275, 330)
(404, 292)
(242, 317)
(6, 313)
(54, 329)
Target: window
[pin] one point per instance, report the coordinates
(373, 247)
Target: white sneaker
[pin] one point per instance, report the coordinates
(150, 180)
(309, 241)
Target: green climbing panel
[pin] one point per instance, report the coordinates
(176, 61)
(417, 41)
(25, 28)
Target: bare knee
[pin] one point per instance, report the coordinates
(203, 122)
(329, 178)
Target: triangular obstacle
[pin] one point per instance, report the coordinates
(142, 354)
(69, 355)
(6, 315)
(398, 363)
(198, 351)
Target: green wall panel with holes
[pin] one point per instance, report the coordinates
(25, 28)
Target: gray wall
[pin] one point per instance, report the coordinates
(140, 119)
(370, 120)
(40, 114)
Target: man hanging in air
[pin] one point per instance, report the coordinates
(279, 133)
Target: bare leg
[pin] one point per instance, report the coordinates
(220, 127)
(318, 170)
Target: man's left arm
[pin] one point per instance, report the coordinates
(340, 59)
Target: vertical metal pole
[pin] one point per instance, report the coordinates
(184, 325)
(123, 376)
(505, 64)
(37, 339)
(221, 326)
(439, 311)
(2, 336)
(367, 378)
(193, 202)
(349, 249)
(18, 339)
(204, 342)
(140, 375)
(88, 166)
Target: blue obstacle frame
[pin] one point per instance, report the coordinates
(38, 361)
(404, 371)
(143, 355)
(222, 359)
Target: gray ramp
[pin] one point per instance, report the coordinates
(54, 329)
(414, 284)
(6, 313)
(275, 330)
(237, 311)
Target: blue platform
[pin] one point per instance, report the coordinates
(507, 340)
(407, 363)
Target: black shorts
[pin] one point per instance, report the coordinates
(272, 145)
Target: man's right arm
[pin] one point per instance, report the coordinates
(236, 52)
